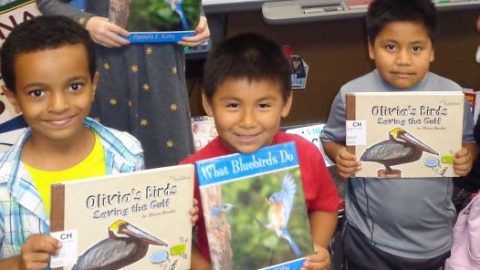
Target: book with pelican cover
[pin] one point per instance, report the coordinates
(136, 220)
(405, 134)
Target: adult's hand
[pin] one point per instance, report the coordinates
(105, 33)
(202, 33)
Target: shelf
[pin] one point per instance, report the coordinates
(217, 6)
(285, 12)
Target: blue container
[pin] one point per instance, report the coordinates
(79, 4)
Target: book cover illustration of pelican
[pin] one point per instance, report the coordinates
(156, 21)
(137, 220)
(254, 209)
(405, 134)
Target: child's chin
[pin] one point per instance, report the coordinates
(403, 85)
(247, 150)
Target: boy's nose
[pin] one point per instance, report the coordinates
(403, 57)
(58, 103)
(247, 119)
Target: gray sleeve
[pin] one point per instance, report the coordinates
(334, 130)
(57, 7)
(467, 124)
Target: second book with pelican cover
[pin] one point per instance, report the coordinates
(254, 209)
(405, 134)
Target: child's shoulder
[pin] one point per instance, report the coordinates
(365, 81)
(120, 141)
(304, 147)
(127, 139)
(10, 158)
(213, 149)
(442, 83)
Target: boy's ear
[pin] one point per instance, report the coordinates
(206, 105)
(12, 98)
(432, 55)
(371, 51)
(287, 106)
(96, 77)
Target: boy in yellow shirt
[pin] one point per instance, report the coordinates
(48, 66)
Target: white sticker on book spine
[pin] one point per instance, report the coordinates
(68, 253)
(356, 132)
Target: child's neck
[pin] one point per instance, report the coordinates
(59, 155)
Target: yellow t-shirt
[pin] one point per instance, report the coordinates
(92, 165)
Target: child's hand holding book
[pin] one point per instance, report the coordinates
(37, 250)
(347, 164)
(320, 260)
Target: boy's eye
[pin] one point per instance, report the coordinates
(37, 93)
(417, 49)
(264, 106)
(232, 105)
(391, 47)
(75, 86)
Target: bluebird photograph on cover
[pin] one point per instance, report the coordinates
(156, 21)
(254, 209)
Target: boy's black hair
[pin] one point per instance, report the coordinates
(249, 56)
(43, 33)
(382, 12)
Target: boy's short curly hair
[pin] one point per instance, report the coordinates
(382, 12)
(249, 56)
(43, 33)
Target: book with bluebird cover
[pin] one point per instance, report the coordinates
(138, 220)
(254, 209)
(405, 134)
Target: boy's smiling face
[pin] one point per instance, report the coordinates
(54, 91)
(247, 113)
(402, 52)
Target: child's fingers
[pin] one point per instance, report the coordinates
(461, 161)
(320, 260)
(41, 243)
(462, 164)
(195, 202)
(35, 265)
(194, 211)
(315, 266)
(346, 172)
(36, 252)
(347, 168)
(35, 260)
(461, 153)
(462, 169)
